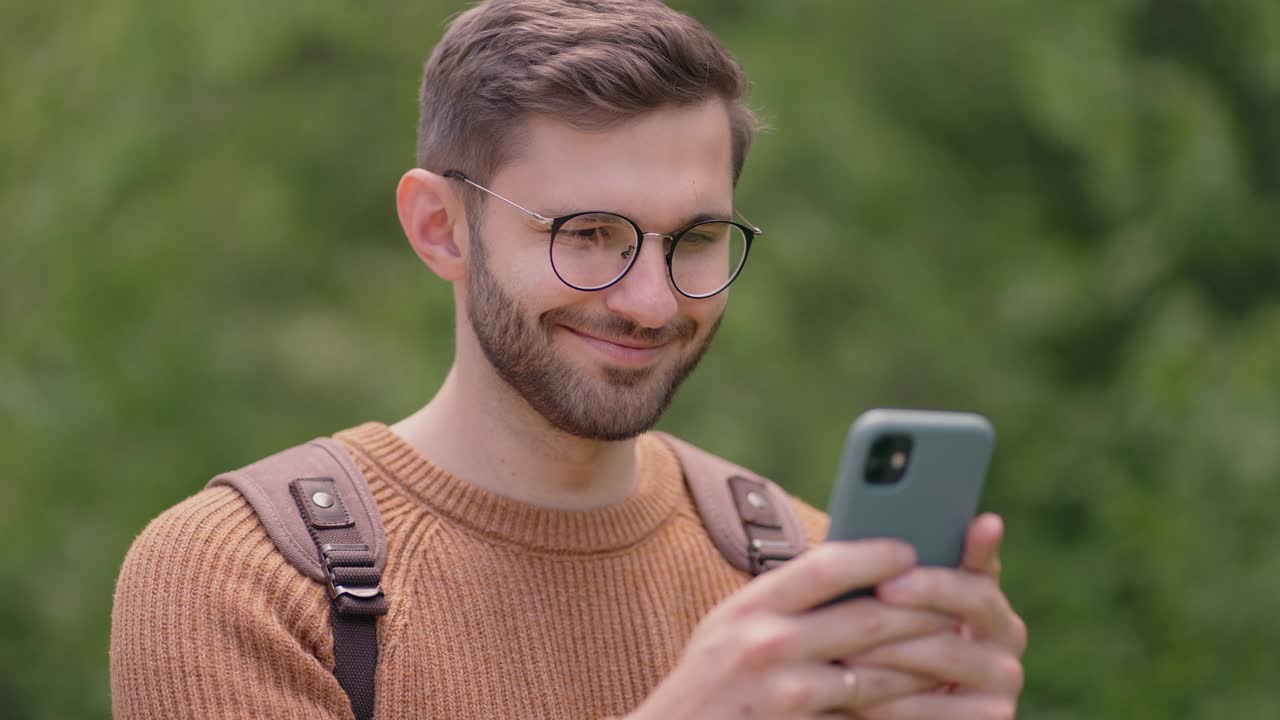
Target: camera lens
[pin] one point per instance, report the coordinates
(888, 460)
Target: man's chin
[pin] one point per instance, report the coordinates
(617, 404)
(622, 424)
(627, 377)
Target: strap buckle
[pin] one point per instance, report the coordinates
(333, 563)
(364, 593)
(765, 554)
(767, 543)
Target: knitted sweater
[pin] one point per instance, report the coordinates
(499, 609)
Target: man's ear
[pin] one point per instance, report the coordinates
(435, 222)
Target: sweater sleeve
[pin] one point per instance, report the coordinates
(211, 621)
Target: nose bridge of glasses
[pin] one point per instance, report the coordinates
(646, 273)
(669, 237)
(665, 252)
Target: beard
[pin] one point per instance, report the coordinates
(619, 406)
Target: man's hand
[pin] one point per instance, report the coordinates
(766, 653)
(982, 663)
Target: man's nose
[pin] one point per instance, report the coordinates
(645, 295)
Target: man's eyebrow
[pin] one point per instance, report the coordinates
(703, 217)
(687, 222)
(553, 213)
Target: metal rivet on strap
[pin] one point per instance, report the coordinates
(756, 500)
(322, 499)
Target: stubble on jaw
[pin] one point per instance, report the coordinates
(619, 406)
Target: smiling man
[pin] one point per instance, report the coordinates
(576, 167)
(572, 336)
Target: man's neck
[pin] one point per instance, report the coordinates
(482, 433)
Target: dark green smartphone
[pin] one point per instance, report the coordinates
(912, 475)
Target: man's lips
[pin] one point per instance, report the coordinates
(625, 352)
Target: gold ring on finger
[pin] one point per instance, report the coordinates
(850, 679)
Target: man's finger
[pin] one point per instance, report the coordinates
(975, 599)
(853, 626)
(825, 572)
(849, 687)
(931, 706)
(949, 658)
(982, 545)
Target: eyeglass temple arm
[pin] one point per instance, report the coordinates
(754, 228)
(537, 216)
(457, 174)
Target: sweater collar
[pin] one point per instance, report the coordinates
(408, 473)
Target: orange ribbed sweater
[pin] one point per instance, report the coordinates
(498, 609)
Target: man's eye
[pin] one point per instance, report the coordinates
(587, 233)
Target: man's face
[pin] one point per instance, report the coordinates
(601, 365)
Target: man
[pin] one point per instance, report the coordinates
(576, 167)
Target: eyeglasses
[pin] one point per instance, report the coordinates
(594, 250)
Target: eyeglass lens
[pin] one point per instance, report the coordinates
(591, 251)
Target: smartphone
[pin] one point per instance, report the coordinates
(912, 475)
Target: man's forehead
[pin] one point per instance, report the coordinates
(668, 156)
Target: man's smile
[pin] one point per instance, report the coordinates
(621, 351)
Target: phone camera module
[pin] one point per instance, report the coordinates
(888, 460)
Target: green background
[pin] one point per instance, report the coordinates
(1061, 214)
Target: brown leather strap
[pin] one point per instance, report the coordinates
(317, 509)
(354, 584)
(265, 485)
(749, 518)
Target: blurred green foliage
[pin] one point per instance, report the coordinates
(1060, 214)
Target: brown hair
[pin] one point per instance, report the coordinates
(591, 63)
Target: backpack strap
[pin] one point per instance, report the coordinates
(317, 509)
(750, 519)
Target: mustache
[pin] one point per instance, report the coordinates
(619, 327)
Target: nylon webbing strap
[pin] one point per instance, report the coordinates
(354, 584)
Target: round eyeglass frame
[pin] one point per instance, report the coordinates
(749, 233)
